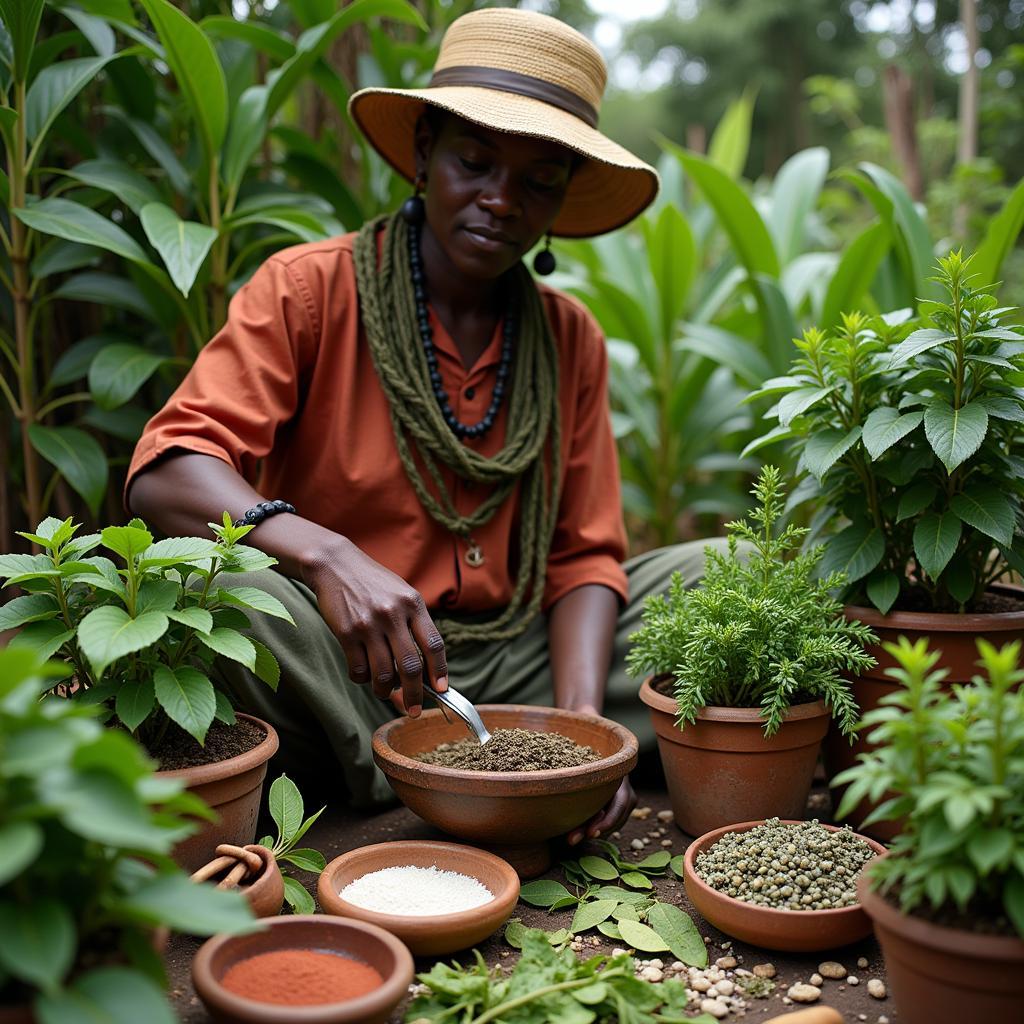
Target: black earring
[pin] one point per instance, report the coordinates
(413, 210)
(544, 262)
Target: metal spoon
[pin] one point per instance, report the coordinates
(454, 701)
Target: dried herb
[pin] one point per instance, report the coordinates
(511, 750)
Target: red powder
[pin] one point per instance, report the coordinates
(300, 977)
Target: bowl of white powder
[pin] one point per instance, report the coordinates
(436, 897)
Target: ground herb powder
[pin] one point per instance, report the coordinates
(511, 750)
(300, 977)
(416, 891)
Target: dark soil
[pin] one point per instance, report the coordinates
(992, 603)
(179, 750)
(978, 918)
(511, 750)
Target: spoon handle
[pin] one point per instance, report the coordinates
(454, 701)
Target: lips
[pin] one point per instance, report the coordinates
(488, 239)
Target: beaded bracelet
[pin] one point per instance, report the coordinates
(255, 515)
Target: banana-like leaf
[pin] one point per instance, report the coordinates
(855, 272)
(182, 245)
(77, 455)
(730, 141)
(22, 20)
(1001, 236)
(795, 193)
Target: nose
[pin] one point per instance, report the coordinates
(499, 196)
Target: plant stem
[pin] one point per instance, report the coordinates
(539, 993)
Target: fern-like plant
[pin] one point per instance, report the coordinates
(761, 631)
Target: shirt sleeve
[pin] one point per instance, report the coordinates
(245, 383)
(589, 542)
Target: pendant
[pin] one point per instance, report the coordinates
(474, 556)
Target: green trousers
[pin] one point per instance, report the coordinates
(325, 721)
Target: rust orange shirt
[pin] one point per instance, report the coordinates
(288, 395)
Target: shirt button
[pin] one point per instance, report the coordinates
(471, 392)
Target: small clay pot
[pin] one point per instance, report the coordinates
(940, 975)
(438, 934)
(791, 931)
(234, 789)
(954, 636)
(513, 814)
(265, 892)
(357, 939)
(723, 768)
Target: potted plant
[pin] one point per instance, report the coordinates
(87, 890)
(947, 900)
(909, 434)
(746, 673)
(141, 635)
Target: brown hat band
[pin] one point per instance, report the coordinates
(522, 85)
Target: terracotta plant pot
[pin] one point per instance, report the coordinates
(723, 769)
(940, 975)
(511, 813)
(356, 939)
(953, 635)
(439, 933)
(234, 789)
(791, 931)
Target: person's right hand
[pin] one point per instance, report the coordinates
(382, 624)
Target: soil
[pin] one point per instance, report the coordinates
(978, 918)
(179, 750)
(991, 603)
(511, 750)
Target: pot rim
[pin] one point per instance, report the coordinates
(201, 774)
(380, 999)
(954, 941)
(944, 622)
(715, 713)
(767, 913)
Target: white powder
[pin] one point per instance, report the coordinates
(416, 892)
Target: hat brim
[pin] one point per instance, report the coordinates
(608, 190)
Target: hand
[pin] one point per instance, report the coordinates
(611, 817)
(382, 624)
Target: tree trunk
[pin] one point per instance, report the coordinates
(898, 91)
(967, 143)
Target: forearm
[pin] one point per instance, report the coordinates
(581, 633)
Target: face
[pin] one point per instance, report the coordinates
(490, 195)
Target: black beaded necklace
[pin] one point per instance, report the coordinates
(509, 331)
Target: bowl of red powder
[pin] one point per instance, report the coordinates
(307, 969)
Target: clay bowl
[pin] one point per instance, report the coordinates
(357, 939)
(437, 934)
(791, 931)
(513, 814)
(266, 892)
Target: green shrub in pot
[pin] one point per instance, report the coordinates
(85, 877)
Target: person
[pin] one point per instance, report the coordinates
(438, 421)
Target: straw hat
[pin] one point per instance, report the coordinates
(528, 74)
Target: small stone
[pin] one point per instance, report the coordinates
(666, 816)
(786, 1000)
(646, 842)
(876, 988)
(726, 962)
(666, 842)
(725, 987)
(616, 951)
(616, 835)
(700, 984)
(862, 962)
(678, 965)
(800, 993)
(862, 1016)
(831, 969)
(656, 962)
(715, 1008)
(641, 813)
(853, 980)
(652, 974)
(883, 1019)
(764, 970)
(637, 844)
(816, 979)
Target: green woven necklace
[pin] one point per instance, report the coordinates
(388, 310)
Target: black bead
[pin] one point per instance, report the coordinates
(544, 262)
(413, 211)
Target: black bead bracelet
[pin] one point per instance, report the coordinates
(255, 515)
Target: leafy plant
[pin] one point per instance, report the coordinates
(549, 985)
(909, 432)
(287, 810)
(142, 636)
(85, 876)
(952, 765)
(759, 632)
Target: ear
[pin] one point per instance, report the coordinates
(423, 142)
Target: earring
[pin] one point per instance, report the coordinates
(413, 210)
(544, 262)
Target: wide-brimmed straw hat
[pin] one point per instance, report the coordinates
(527, 74)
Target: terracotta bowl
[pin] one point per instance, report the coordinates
(356, 939)
(792, 931)
(511, 813)
(434, 935)
(266, 893)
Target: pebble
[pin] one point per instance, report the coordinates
(666, 816)
(853, 980)
(862, 962)
(725, 962)
(876, 988)
(800, 993)
(862, 1016)
(725, 987)
(883, 1019)
(666, 842)
(816, 979)
(714, 1007)
(652, 974)
(637, 844)
(764, 970)
(831, 969)
(616, 835)
(700, 984)
(641, 813)
(678, 965)
(660, 964)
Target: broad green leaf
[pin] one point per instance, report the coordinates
(37, 941)
(58, 256)
(107, 290)
(134, 703)
(856, 550)
(174, 550)
(100, 35)
(641, 937)
(77, 455)
(126, 541)
(795, 192)
(885, 426)
(856, 271)
(955, 434)
(118, 371)
(45, 638)
(598, 867)
(108, 633)
(259, 600)
(611, 929)
(285, 805)
(267, 667)
(676, 866)
(1000, 238)
(515, 932)
(117, 178)
(883, 589)
(825, 447)
(260, 37)
(159, 595)
(672, 254)
(198, 619)
(54, 88)
(196, 69)
(796, 403)
(655, 862)
(590, 915)
(306, 860)
(986, 508)
(935, 541)
(742, 355)
(29, 608)
(915, 344)
(225, 712)
(959, 579)
(176, 901)
(627, 911)
(680, 934)
(779, 433)
(246, 128)
(231, 644)
(730, 141)
(20, 843)
(960, 811)
(77, 223)
(188, 698)
(543, 892)
(636, 880)
(916, 499)
(297, 897)
(107, 995)
(21, 17)
(182, 245)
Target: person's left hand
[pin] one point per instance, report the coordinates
(611, 817)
